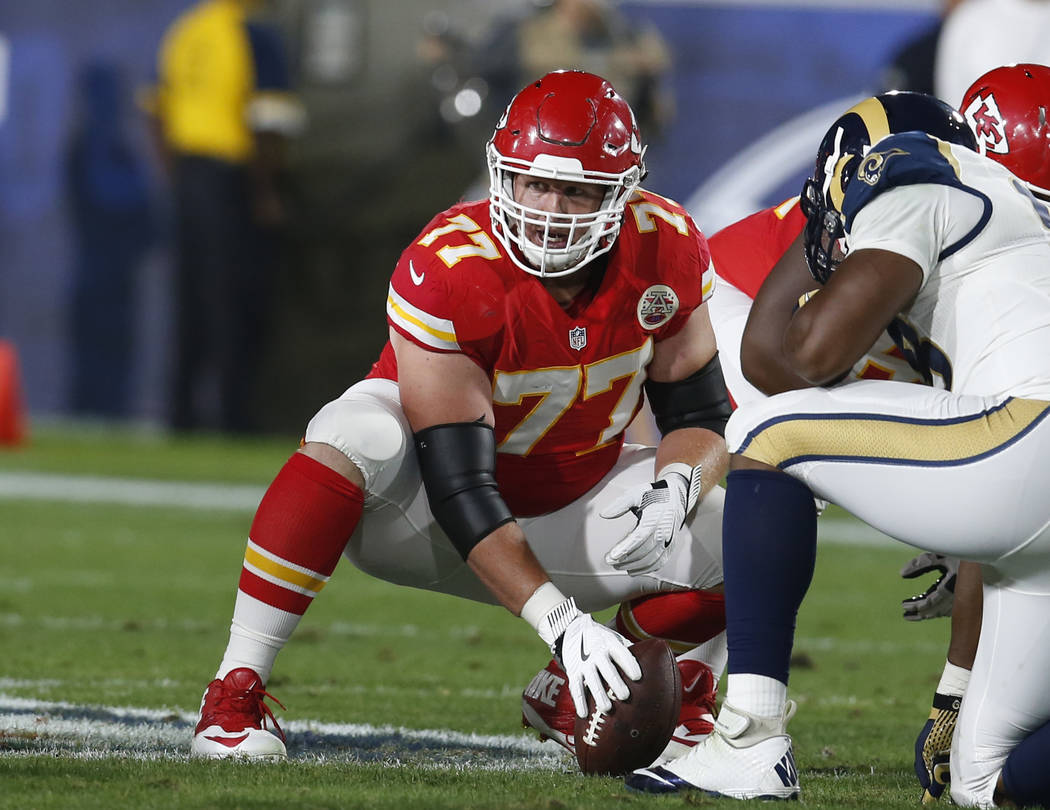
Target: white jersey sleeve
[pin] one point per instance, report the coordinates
(917, 222)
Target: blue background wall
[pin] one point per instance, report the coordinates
(755, 86)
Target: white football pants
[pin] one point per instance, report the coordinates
(965, 476)
(398, 540)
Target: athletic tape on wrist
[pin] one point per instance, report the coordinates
(549, 612)
(543, 600)
(954, 680)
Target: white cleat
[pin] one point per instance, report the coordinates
(233, 720)
(746, 757)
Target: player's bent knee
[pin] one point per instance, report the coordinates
(335, 460)
(367, 433)
(970, 792)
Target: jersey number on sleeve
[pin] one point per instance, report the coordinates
(483, 246)
(646, 213)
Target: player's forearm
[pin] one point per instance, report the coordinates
(966, 615)
(762, 358)
(768, 371)
(505, 564)
(695, 446)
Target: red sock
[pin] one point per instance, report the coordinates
(682, 618)
(300, 530)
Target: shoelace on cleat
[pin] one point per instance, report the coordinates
(249, 702)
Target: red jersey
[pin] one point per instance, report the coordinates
(745, 252)
(565, 383)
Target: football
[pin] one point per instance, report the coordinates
(635, 731)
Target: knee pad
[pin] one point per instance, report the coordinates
(373, 434)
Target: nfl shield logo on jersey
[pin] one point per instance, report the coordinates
(577, 337)
(657, 306)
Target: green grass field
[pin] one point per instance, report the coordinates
(113, 617)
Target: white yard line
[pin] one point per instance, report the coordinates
(245, 498)
(45, 687)
(37, 727)
(129, 491)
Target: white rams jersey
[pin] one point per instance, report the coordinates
(981, 321)
(962, 468)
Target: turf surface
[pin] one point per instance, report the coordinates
(113, 618)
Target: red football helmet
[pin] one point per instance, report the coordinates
(574, 126)
(1009, 111)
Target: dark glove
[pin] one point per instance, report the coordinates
(933, 747)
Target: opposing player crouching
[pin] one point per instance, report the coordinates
(951, 252)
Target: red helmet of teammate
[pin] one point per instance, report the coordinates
(569, 126)
(1009, 111)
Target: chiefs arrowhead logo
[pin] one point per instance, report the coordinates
(657, 306)
(984, 118)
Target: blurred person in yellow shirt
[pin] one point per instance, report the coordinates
(222, 109)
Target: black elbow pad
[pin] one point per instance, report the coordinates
(700, 400)
(458, 463)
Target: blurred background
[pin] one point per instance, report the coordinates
(396, 99)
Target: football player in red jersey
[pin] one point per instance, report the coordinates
(484, 454)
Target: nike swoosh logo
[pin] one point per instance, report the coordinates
(692, 686)
(229, 742)
(417, 278)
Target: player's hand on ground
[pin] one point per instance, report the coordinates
(661, 508)
(933, 747)
(595, 659)
(937, 599)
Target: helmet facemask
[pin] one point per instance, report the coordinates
(571, 127)
(842, 152)
(567, 241)
(823, 234)
(821, 200)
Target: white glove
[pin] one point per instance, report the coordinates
(593, 656)
(661, 508)
(938, 598)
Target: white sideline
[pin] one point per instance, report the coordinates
(36, 727)
(129, 491)
(245, 498)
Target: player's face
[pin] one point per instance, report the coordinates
(555, 197)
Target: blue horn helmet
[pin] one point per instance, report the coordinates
(842, 151)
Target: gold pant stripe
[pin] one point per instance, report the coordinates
(283, 572)
(879, 438)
